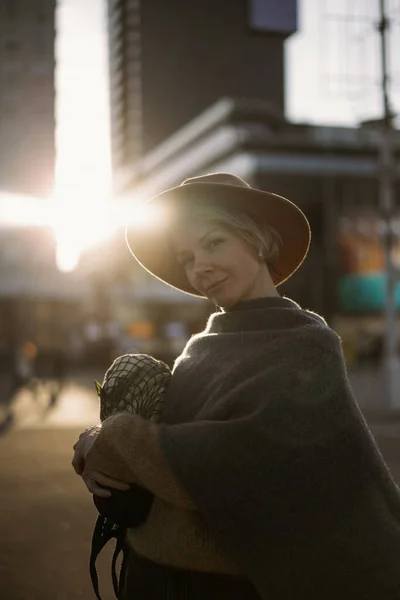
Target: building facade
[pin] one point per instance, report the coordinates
(27, 96)
(169, 61)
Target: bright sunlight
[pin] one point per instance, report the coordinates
(80, 206)
(82, 194)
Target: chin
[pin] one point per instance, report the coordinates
(225, 302)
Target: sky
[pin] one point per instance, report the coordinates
(332, 77)
(333, 64)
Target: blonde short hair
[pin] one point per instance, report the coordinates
(262, 238)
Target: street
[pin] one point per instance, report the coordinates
(46, 514)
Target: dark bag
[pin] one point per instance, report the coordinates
(134, 383)
(122, 510)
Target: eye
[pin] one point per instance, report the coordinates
(216, 242)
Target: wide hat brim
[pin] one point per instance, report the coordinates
(149, 245)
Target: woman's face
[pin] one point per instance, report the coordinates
(220, 265)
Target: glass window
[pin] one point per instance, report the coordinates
(273, 16)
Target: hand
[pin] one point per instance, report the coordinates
(82, 447)
(86, 433)
(94, 480)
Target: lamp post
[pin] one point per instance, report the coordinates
(391, 361)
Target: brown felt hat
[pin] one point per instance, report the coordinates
(149, 244)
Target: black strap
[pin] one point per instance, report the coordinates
(104, 531)
(120, 546)
(124, 565)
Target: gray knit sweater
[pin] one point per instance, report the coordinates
(265, 460)
(265, 434)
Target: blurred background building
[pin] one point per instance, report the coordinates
(171, 61)
(27, 96)
(27, 170)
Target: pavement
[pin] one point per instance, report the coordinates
(46, 513)
(32, 407)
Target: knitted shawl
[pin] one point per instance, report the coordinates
(262, 429)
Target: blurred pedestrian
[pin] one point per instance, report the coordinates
(58, 365)
(267, 481)
(24, 364)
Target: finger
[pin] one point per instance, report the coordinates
(82, 435)
(95, 488)
(87, 432)
(74, 447)
(78, 463)
(105, 480)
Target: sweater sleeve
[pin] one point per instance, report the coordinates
(128, 448)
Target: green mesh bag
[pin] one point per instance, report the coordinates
(135, 383)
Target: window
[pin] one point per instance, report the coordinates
(273, 16)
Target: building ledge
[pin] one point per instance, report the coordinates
(257, 136)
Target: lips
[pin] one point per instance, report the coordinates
(215, 285)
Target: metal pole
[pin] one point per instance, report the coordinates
(391, 359)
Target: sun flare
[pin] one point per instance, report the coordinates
(79, 225)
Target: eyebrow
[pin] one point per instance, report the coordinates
(203, 237)
(207, 234)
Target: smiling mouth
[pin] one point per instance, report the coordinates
(213, 287)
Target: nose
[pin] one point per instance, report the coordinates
(202, 265)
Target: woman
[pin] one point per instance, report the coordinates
(267, 481)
